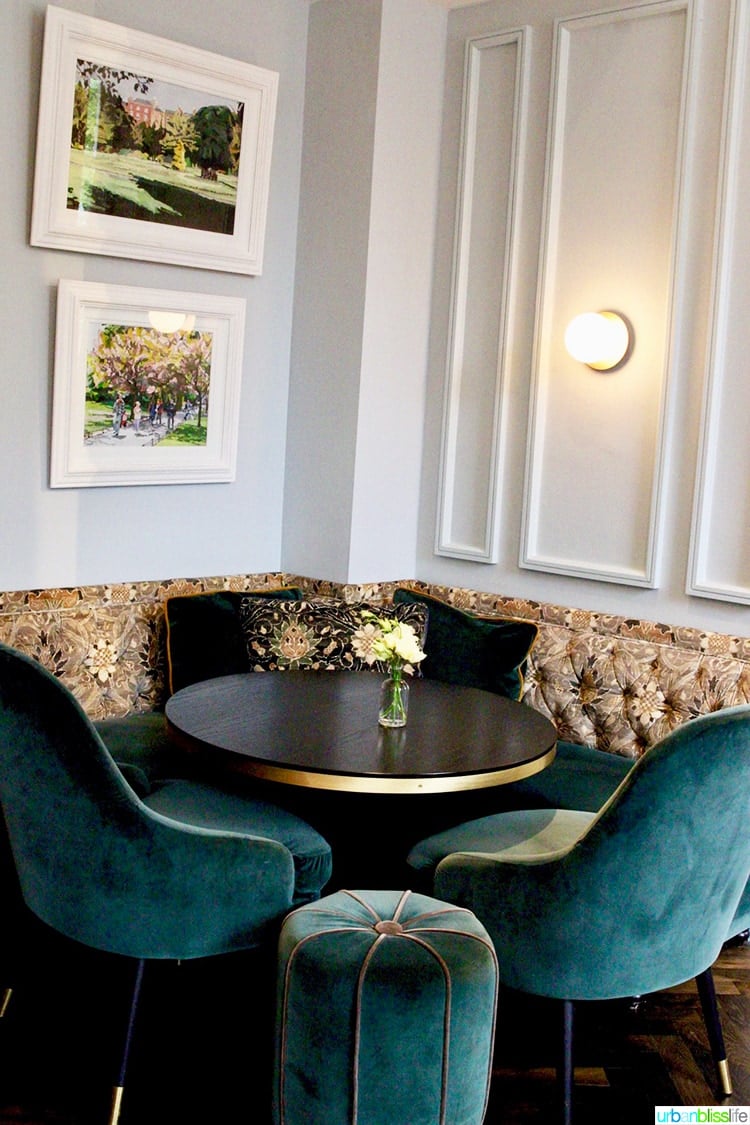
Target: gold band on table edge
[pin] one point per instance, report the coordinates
(350, 783)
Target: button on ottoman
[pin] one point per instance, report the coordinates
(386, 1012)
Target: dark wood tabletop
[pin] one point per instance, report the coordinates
(320, 730)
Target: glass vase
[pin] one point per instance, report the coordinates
(394, 702)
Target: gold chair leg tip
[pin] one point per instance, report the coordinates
(5, 1001)
(116, 1102)
(724, 1077)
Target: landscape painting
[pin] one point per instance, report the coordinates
(150, 149)
(146, 387)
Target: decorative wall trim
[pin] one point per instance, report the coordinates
(494, 124)
(719, 550)
(611, 238)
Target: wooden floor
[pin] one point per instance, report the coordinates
(627, 1060)
(201, 1057)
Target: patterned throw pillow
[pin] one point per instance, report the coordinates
(325, 635)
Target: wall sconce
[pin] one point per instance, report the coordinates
(601, 340)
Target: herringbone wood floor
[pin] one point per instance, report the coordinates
(199, 1057)
(627, 1059)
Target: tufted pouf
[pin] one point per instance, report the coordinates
(386, 1012)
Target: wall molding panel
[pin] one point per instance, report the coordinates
(720, 544)
(494, 123)
(610, 240)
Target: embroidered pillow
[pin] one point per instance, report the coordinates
(326, 635)
(465, 648)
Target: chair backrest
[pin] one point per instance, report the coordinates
(92, 861)
(646, 897)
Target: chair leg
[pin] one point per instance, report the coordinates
(707, 993)
(118, 1089)
(5, 1001)
(565, 1066)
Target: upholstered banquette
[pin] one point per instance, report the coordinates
(613, 686)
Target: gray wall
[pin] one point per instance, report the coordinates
(92, 535)
(364, 279)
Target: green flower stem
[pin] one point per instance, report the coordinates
(394, 713)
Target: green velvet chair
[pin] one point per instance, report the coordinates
(187, 871)
(633, 899)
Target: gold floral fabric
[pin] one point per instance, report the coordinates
(617, 683)
(107, 643)
(612, 682)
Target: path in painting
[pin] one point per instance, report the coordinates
(146, 435)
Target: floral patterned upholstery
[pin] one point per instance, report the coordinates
(606, 681)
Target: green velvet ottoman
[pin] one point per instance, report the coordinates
(386, 1012)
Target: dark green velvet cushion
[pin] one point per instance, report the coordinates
(142, 748)
(530, 834)
(580, 777)
(464, 648)
(204, 636)
(386, 1008)
(206, 806)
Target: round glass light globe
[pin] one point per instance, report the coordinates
(599, 339)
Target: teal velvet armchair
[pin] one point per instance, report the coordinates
(634, 899)
(201, 872)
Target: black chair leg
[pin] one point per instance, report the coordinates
(565, 1066)
(118, 1089)
(707, 993)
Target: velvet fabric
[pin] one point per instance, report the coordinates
(206, 806)
(97, 865)
(142, 748)
(204, 634)
(646, 896)
(464, 648)
(741, 921)
(169, 782)
(580, 777)
(386, 1010)
(524, 836)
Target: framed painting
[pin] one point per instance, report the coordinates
(150, 149)
(146, 387)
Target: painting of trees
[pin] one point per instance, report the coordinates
(218, 133)
(180, 135)
(192, 363)
(148, 366)
(100, 119)
(137, 152)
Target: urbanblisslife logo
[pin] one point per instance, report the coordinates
(710, 1115)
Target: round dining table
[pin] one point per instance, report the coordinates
(320, 730)
(311, 741)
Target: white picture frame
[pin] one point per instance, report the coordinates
(183, 350)
(125, 149)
